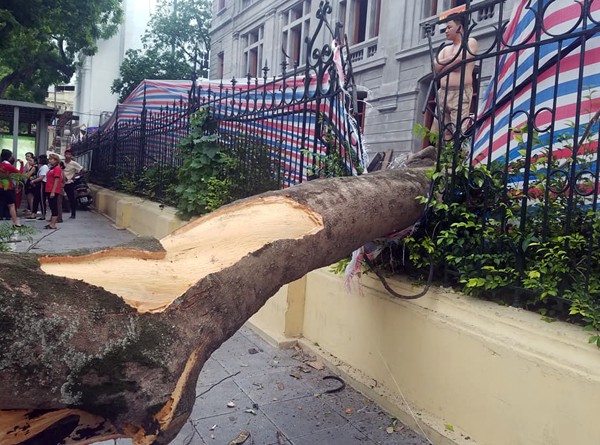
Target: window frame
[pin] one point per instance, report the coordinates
(252, 52)
(294, 30)
(363, 18)
(220, 65)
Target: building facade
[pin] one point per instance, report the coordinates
(61, 98)
(94, 103)
(389, 49)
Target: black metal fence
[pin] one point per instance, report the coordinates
(302, 118)
(521, 153)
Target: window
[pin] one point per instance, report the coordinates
(436, 7)
(246, 3)
(296, 27)
(342, 15)
(221, 5)
(253, 51)
(433, 8)
(361, 113)
(220, 64)
(363, 20)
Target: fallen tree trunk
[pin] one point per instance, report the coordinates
(109, 344)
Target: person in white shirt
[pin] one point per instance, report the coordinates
(41, 180)
(72, 169)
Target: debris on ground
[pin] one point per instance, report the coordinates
(317, 364)
(241, 438)
(231, 404)
(280, 438)
(337, 379)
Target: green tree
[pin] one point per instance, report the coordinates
(40, 41)
(151, 64)
(176, 45)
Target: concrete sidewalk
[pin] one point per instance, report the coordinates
(278, 396)
(88, 230)
(280, 399)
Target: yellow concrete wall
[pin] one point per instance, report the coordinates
(271, 319)
(141, 216)
(497, 374)
(281, 320)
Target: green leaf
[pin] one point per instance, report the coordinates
(534, 274)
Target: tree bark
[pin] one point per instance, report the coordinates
(107, 344)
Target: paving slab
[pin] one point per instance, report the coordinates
(271, 387)
(303, 416)
(347, 435)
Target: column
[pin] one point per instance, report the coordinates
(16, 111)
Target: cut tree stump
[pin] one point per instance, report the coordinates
(109, 344)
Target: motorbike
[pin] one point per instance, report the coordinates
(82, 193)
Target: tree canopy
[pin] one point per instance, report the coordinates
(40, 41)
(176, 42)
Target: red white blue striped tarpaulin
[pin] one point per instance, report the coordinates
(558, 64)
(276, 110)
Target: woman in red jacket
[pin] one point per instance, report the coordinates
(53, 187)
(7, 185)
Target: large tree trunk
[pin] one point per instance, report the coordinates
(110, 344)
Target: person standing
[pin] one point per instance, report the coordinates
(30, 189)
(40, 183)
(72, 169)
(7, 185)
(53, 188)
(452, 85)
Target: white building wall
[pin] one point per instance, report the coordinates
(97, 73)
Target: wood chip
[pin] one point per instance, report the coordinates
(241, 438)
(317, 364)
(280, 438)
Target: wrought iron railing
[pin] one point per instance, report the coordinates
(303, 117)
(529, 141)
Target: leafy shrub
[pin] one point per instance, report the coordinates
(218, 169)
(486, 234)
